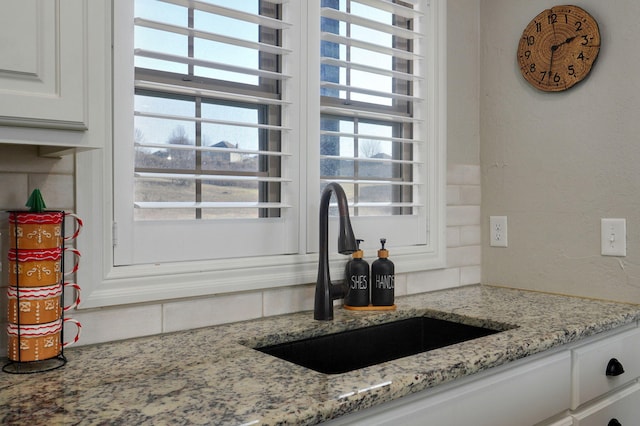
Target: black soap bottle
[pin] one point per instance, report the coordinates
(357, 279)
(382, 278)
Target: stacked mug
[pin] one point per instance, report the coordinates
(37, 283)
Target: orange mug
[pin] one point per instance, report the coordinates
(38, 268)
(38, 342)
(29, 230)
(38, 305)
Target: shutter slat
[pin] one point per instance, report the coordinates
(330, 13)
(231, 13)
(207, 205)
(209, 64)
(369, 137)
(186, 31)
(335, 38)
(371, 92)
(370, 69)
(369, 160)
(209, 120)
(201, 176)
(383, 117)
(206, 93)
(212, 149)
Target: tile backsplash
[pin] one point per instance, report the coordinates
(21, 170)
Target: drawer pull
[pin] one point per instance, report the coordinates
(614, 368)
(614, 422)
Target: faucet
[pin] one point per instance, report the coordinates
(326, 291)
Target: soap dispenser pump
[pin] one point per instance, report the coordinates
(383, 278)
(357, 279)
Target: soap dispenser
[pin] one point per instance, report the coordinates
(356, 277)
(383, 278)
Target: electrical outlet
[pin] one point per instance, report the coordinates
(498, 231)
(613, 237)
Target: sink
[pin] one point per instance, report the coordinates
(350, 350)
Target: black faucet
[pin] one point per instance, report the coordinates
(326, 291)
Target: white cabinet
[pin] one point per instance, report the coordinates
(567, 386)
(54, 73)
(622, 406)
(528, 391)
(601, 399)
(43, 64)
(590, 363)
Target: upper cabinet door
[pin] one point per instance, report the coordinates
(43, 64)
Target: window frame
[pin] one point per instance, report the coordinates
(106, 285)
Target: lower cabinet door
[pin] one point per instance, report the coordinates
(525, 394)
(621, 408)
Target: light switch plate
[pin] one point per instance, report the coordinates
(498, 231)
(613, 237)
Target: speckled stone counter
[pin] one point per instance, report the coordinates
(213, 376)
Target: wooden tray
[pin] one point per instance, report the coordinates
(371, 308)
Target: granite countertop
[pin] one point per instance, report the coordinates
(213, 376)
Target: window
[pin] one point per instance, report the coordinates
(230, 117)
(370, 136)
(206, 151)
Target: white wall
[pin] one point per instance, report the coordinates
(555, 163)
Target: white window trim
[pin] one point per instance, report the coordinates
(105, 285)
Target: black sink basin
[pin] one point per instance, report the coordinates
(353, 349)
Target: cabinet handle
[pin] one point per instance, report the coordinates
(614, 422)
(614, 368)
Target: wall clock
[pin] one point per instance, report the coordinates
(558, 48)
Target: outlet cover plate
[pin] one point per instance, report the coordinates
(498, 231)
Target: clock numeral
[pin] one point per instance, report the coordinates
(585, 40)
(555, 79)
(578, 26)
(538, 27)
(532, 68)
(530, 40)
(553, 18)
(581, 56)
(527, 54)
(566, 18)
(571, 70)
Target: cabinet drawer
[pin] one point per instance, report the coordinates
(590, 363)
(623, 406)
(530, 392)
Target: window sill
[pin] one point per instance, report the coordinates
(158, 282)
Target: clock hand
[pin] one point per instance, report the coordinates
(568, 40)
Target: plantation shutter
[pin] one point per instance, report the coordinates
(373, 137)
(210, 140)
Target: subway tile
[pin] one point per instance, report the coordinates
(194, 313)
(470, 195)
(470, 275)
(57, 190)
(453, 195)
(463, 174)
(15, 190)
(400, 285)
(437, 279)
(463, 215)
(463, 256)
(288, 299)
(470, 235)
(453, 236)
(108, 324)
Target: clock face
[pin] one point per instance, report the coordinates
(558, 48)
